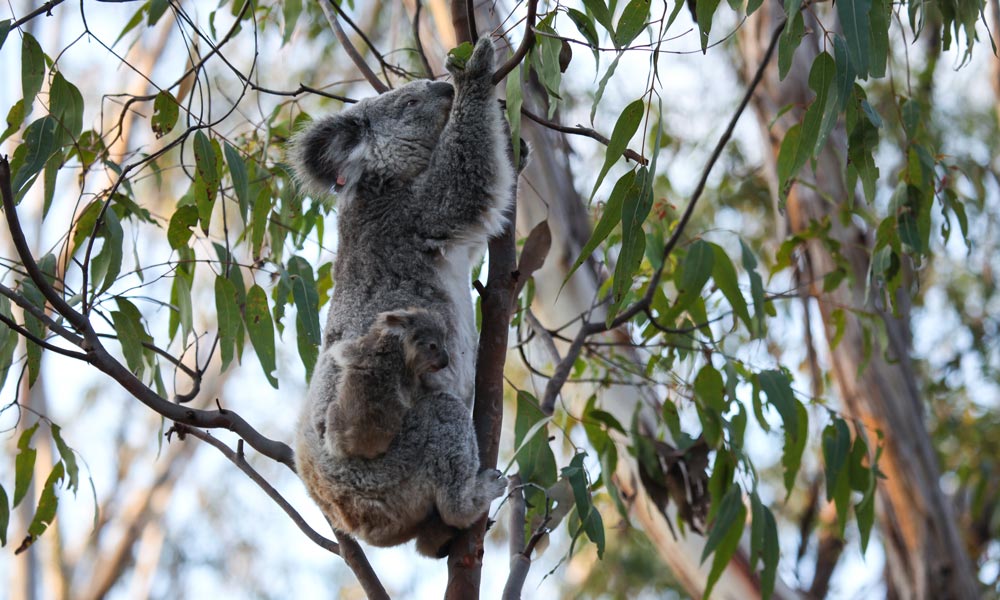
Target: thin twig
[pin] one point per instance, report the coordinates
(349, 48)
(593, 327)
(43, 9)
(21, 331)
(355, 558)
(526, 43)
(428, 71)
(240, 461)
(584, 131)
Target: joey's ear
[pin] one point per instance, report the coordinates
(330, 153)
(395, 321)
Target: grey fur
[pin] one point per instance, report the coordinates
(423, 181)
(426, 182)
(426, 482)
(381, 373)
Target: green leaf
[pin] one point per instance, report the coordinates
(32, 67)
(857, 31)
(24, 464)
(724, 276)
(590, 518)
(207, 178)
(535, 460)
(756, 289)
(836, 445)
(41, 140)
(179, 231)
(635, 208)
(461, 53)
(625, 128)
(611, 216)
(632, 22)
(291, 10)
(514, 102)
(725, 535)
(8, 342)
(879, 15)
(585, 25)
(4, 30)
(156, 10)
(545, 62)
(790, 39)
(786, 158)
(180, 298)
(261, 329)
(704, 11)
(779, 393)
(128, 326)
(230, 323)
(599, 94)
(68, 458)
(165, 112)
(771, 552)
(599, 9)
(820, 81)
(111, 255)
(259, 219)
(4, 514)
(697, 268)
(66, 105)
(752, 6)
(306, 298)
(15, 116)
(709, 389)
(47, 503)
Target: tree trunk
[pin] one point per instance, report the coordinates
(924, 553)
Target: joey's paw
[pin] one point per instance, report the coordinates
(479, 65)
(493, 483)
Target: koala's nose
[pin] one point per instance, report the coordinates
(442, 361)
(442, 88)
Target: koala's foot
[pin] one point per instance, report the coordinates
(479, 65)
(492, 484)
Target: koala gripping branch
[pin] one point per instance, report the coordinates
(98, 356)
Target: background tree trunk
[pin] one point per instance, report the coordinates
(925, 557)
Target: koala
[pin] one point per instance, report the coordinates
(423, 181)
(400, 460)
(380, 375)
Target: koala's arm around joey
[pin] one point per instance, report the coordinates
(466, 188)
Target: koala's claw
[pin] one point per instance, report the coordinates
(479, 65)
(493, 483)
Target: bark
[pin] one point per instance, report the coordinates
(924, 553)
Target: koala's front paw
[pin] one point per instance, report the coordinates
(492, 483)
(479, 65)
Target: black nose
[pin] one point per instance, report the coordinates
(442, 88)
(442, 361)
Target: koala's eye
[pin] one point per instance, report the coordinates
(411, 103)
(432, 346)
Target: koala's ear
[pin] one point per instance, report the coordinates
(330, 153)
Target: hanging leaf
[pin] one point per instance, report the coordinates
(632, 22)
(725, 535)
(625, 128)
(32, 67)
(165, 112)
(230, 323)
(857, 31)
(24, 464)
(261, 329)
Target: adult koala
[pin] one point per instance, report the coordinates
(423, 180)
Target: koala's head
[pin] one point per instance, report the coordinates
(391, 136)
(422, 334)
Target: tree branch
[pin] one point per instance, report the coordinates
(239, 460)
(21, 331)
(526, 43)
(45, 9)
(100, 358)
(519, 561)
(584, 131)
(428, 71)
(355, 558)
(589, 328)
(352, 52)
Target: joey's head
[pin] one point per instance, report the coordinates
(390, 137)
(422, 335)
